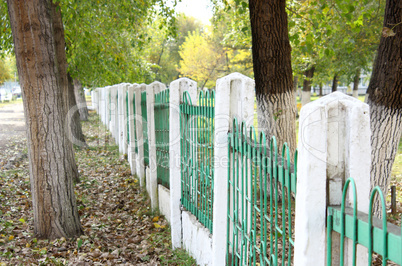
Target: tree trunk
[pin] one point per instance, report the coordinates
(335, 83)
(320, 89)
(385, 100)
(356, 84)
(273, 71)
(74, 130)
(51, 158)
(80, 97)
(308, 76)
(76, 136)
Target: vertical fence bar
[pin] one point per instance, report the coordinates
(162, 137)
(145, 126)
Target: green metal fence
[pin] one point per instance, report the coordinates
(364, 229)
(261, 191)
(161, 116)
(145, 126)
(197, 139)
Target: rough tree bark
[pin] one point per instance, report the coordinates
(51, 158)
(385, 99)
(335, 83)
(308, 76)
(356, 82)
(80, 97)
(273, 71)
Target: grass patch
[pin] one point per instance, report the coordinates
(5, 103)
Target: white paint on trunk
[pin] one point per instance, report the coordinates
(386, 127)
(306, 97)
(277, 117)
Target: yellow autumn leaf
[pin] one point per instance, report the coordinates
(155, 219)
(10, 238)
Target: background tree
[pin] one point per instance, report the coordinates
(273, 70)
(5, 71)
(52, 165)
(163, 51)
(385, 97)
(200, 60)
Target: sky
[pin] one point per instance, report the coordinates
(199, 9)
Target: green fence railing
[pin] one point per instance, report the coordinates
(161, 116)
(261, 192)
(145, 126)
(364, 229)
(197, 129)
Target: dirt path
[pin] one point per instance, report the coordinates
(12, 124)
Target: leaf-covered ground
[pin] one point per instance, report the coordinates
(115, 213)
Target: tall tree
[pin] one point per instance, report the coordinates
(308, 76)
(74, 130)
(51, 160)
(80, 97)
(273, 70)
(385, 97)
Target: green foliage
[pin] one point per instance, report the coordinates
(338, 37)
(163, 51)
(7, 68)
(105, 38)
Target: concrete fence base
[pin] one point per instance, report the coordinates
(334, 144)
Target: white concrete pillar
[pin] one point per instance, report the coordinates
(122, 120)
(94, 99)
(113, 112)
(140, 165)
(234, 98)
(305, 97)
(334, 144)
(103, 104)
(177, 88)
(152, 89)
(107, 103)
(131, 129)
